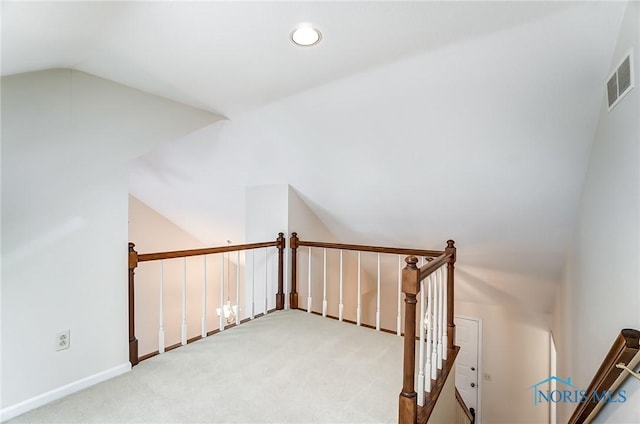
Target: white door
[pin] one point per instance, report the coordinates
(468, 338)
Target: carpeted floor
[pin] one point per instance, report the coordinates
(287, 367)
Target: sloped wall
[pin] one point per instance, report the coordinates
(600, 294)
(66, 139)
(265, 216)
(309, 226)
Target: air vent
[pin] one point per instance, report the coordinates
(620, 82)
(624, 76)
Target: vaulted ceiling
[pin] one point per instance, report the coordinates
(410, 123)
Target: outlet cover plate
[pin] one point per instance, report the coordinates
(63, 340)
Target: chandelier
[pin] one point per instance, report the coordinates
(230, 311)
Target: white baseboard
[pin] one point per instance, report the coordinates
(37, 401)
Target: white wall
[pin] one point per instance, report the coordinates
(304, 221)
(266, 216)
(266, 212)
(66, 140)
(445, 410)
(601, 289)
(515, 353)
(401, 153)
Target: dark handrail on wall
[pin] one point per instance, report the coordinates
(625, 350)
(469, 412)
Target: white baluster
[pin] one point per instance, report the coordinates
(221, 317)
(253, 284)
(439, 323)
(266, 281)
(359, 308)
(341, 305)
(238, 288)
(309, 285)
(324, 283)
(421, 348)
(445, 338)
(399, 316)
(378, 298)
(434, 331)
(184, 302)
(203, 331)
(161, 318)
(429, 335)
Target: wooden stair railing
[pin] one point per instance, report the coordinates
(412, 276)
(135, 259)
(295, 243)
(626, 351)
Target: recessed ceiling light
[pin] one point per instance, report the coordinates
(306, 35)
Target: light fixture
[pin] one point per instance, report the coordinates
(305, 35)
(230, 311)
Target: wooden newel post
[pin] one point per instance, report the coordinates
(133, 342)
(293, 296)
(451, 327)
(408, 404)
(280, 294)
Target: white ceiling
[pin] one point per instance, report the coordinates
(480, 114)
(229, 56)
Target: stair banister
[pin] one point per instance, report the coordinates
(293, 296)
(450, 251)
(280, 293)
(408, 405)
(133, 342)
(410, 280)
(135, 259)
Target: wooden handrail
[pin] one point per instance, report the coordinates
(295, 243)
(375, 249)
(145, 257)
(433, 265)
(135, 258)
(411, 278)
(625, 350)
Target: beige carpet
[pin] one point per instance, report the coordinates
(287, 367)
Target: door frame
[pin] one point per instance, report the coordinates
(480, 376)
(553, 371)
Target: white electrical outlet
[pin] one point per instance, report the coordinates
(62, 340)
